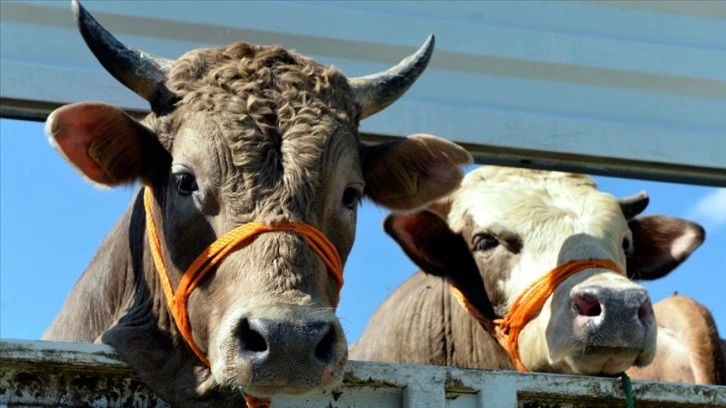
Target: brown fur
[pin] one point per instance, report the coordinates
(409, 171)
(271, 106)
(423, 304)
(269, 136)
(696, 357)
(498, 268)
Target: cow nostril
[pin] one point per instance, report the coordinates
(585, 304)
(645, 312)
(324, 349)
(250, 339)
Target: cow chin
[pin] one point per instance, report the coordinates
(285, 350)
(606, 361)
(328, 379)
(602, 356)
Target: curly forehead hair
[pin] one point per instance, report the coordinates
(265, 90)
(270, 107)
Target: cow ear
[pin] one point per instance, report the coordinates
(104, 143)
(442, 206)
(409, 173)
(429, 242)
(660, 244)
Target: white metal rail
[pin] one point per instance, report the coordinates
(48, 374)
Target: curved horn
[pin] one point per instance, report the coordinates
(375, 92)
(634, 204)
(143, 73)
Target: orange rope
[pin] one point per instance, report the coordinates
(214, 254)
(528, 304)
(469, 307)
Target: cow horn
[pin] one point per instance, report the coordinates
(375, 92)
(141, 72)
(634, 204)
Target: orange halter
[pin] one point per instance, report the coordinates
(214, 254)
(528, 304)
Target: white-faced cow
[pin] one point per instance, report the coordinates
(543, 260)
(223, 276)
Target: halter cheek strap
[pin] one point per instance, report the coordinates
(528, 304)
(214, 254)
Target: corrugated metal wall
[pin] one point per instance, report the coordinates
(618, 88)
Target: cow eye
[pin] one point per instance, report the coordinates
(485, 242)
(185, 183)
(627, 246)
(351, 197)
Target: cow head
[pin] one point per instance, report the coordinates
(247, 133)
(505, 229)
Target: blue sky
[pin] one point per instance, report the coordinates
(52, 221)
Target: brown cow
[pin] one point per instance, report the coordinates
(237, 134)
(506, 229)
(689, 348)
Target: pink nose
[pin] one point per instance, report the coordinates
(585, 304)
(594, 301)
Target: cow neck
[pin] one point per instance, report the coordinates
(528, 305)
(214, 254)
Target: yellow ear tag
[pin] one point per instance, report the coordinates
(409, 182)
(412, 185)
(97, 152)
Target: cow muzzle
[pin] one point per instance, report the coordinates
(597, 307)
(268, 355)
(603, 327)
